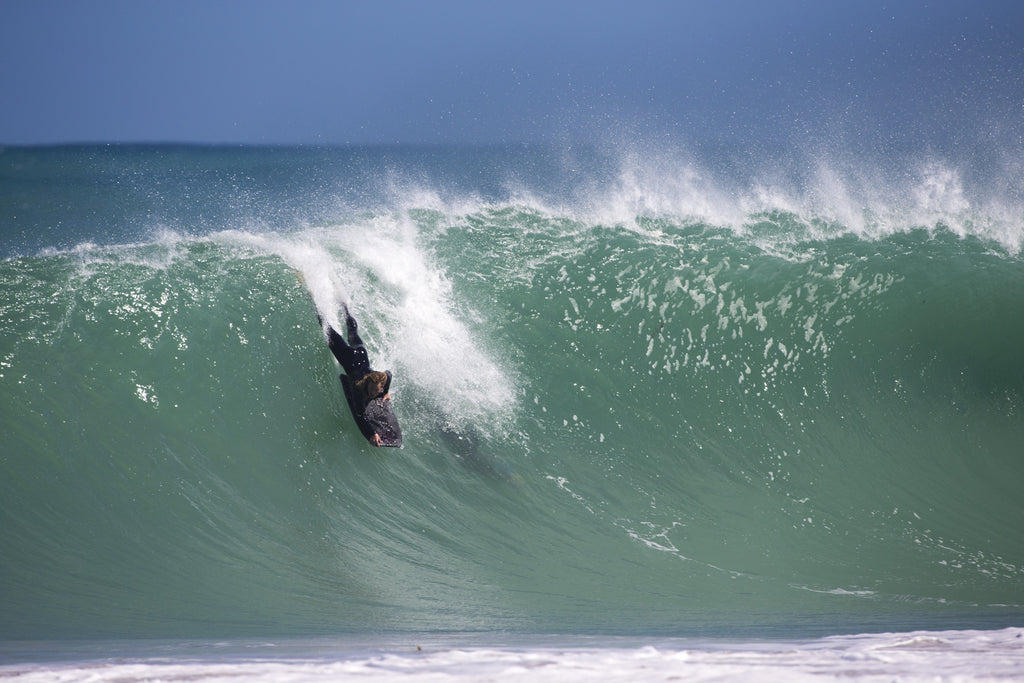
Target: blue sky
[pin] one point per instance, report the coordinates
(312, 71)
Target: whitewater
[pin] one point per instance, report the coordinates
(666, 413)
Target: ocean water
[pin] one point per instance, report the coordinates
(688, 411)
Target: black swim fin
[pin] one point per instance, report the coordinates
(350, 322)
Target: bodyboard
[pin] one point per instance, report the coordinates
(378, 417)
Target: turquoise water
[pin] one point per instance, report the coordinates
(638, 397)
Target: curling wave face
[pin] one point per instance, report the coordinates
(636, 399)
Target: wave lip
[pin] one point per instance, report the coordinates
(816, 199)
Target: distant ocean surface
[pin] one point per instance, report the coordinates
(696, 413)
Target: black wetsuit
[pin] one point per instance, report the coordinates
(351, 355)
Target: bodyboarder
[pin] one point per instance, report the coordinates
(366, 387)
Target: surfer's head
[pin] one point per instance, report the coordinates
(372, 384)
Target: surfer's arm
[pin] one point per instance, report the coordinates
(367, 429)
